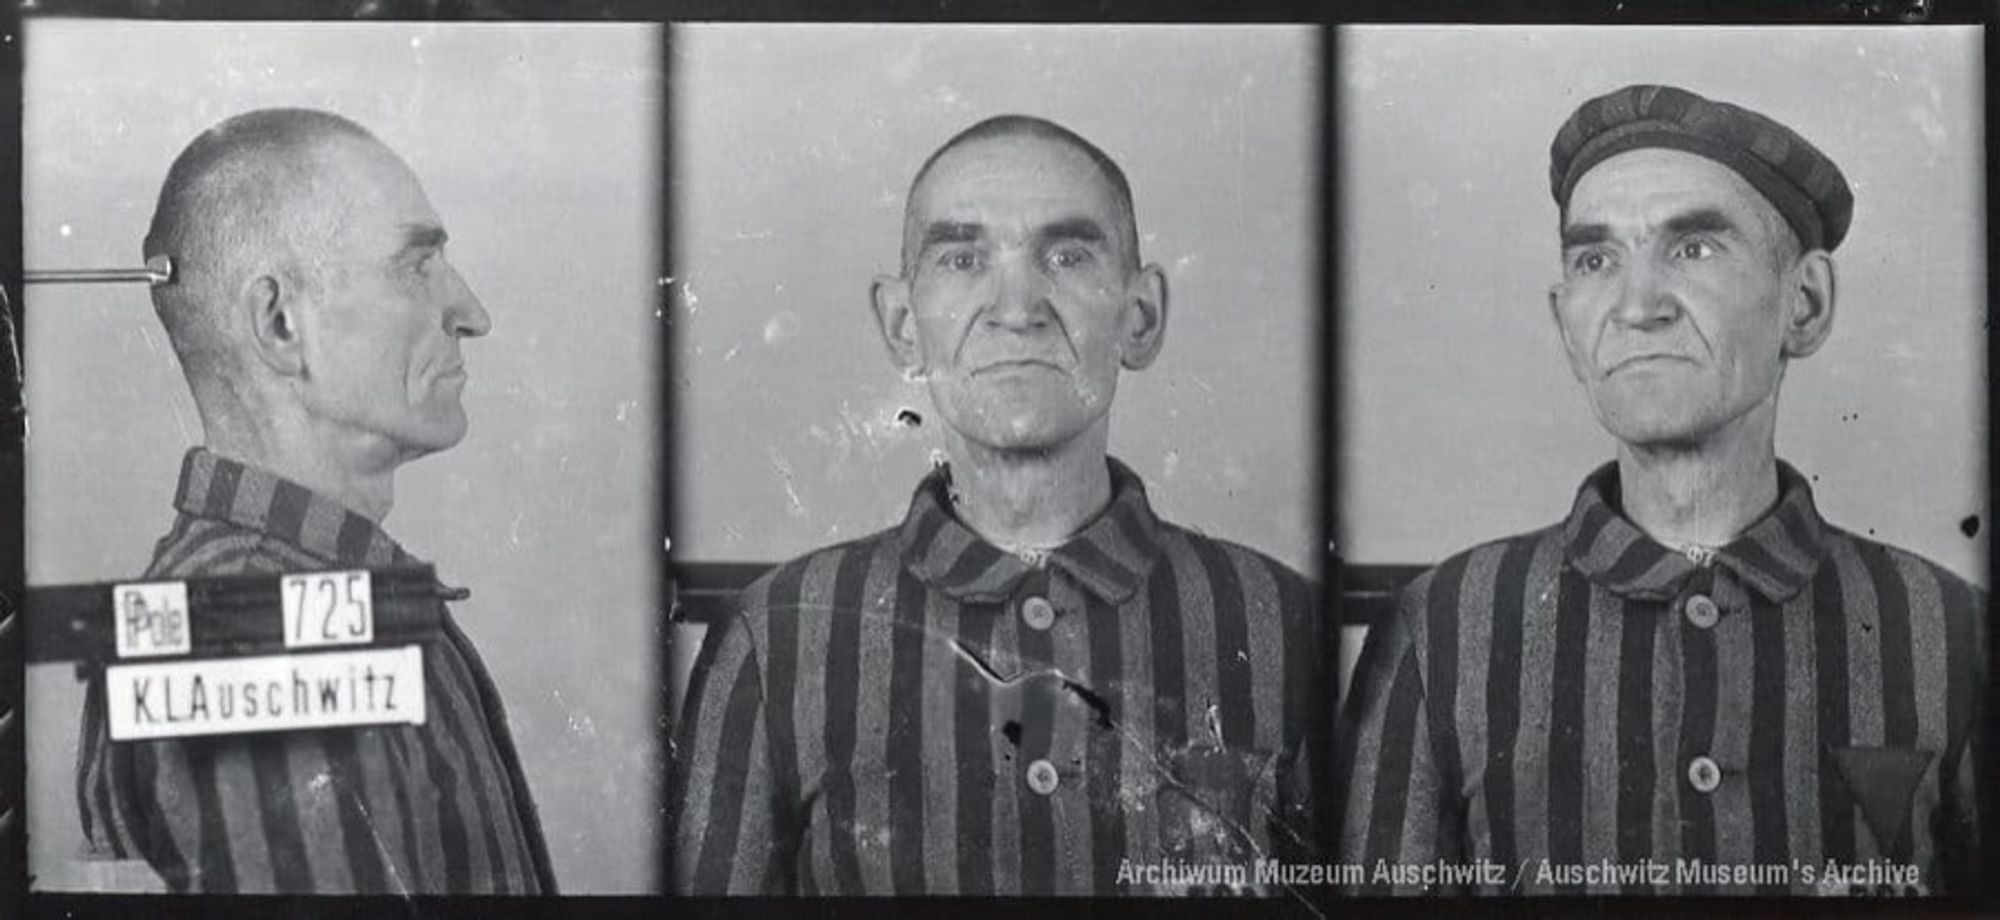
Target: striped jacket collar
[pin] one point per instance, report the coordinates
(1776, 557)
(221, 489)
(1109, 557)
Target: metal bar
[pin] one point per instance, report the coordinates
(93, 276)
(706, 591)
(231, 615)
(158, 270)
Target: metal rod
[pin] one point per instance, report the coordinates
(159, 270)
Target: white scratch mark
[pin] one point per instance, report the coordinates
(781, 327)
(791, 492)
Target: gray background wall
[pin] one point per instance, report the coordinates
(537, 146)
(794, 147)
(1462, 423)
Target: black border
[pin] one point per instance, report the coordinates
(13, 740)
(673, 283)
(668, 295)
(1989, 803)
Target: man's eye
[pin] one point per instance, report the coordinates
(1694, 249)
(1589, 262)
(1070, 257)
(959, 260)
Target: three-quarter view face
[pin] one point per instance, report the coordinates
(712, 462)
(1705, 679)
(1683, 294)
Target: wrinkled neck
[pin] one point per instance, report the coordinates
(1029, 500)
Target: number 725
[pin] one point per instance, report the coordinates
(327, 608)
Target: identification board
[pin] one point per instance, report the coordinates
(229, 696)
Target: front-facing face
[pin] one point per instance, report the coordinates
(1682, 296)
(382, 332)
(1020, 297)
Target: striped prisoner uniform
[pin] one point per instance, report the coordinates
(437, 808)
(1583, 696)
(834, 742)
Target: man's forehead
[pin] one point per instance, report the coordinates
(380, 198)
(1011, 173)
(1654, 183)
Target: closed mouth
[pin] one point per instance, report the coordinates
(1650, 357)
(1016, 364)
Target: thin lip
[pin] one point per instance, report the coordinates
(1628, 361)
(1016, 362)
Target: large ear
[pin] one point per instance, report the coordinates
(1809, 300)
(1144, 327)
(270, 304)
(896, 322)
(1576, 365)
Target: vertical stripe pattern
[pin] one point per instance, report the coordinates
(841, 735)
(436, 808)
(1807, 696)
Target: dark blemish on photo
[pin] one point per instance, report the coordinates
(1012, 732)
(1969, 526)
(907, 416)
(1096, 703)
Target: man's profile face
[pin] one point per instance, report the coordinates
(1672, 306)
(1021, 291)
(383, 344)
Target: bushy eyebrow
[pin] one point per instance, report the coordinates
(1702, 220)
(951, 231)
(1699, 220)
(1078, 229)
(1584, 234)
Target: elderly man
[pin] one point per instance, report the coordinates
(318, 323)
(1694, 683)
(1033, 685)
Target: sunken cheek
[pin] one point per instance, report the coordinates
(1590, 313)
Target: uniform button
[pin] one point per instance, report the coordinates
(1700, 610)
(1704, 774)
(1042, 777)
(1038, 612)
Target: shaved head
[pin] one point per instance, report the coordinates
(1025, 126)
(246, 198)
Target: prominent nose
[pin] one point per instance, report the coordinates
(1645, 300)
(464, 316)
(1020, 296)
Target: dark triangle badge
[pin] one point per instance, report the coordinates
(1883, 780)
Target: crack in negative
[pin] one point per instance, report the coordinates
(1244, 837)
(1101, 711)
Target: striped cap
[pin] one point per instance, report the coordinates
(1799, 180)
